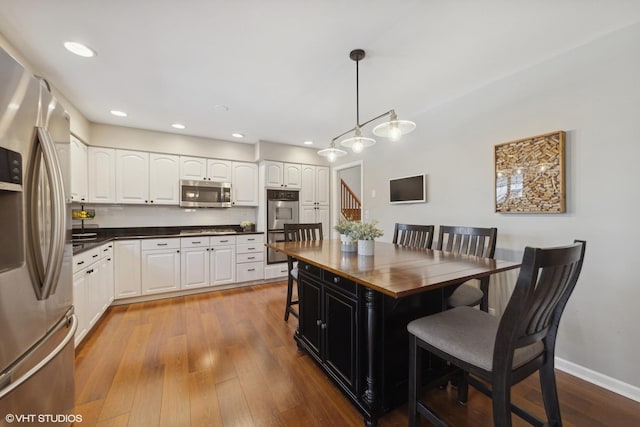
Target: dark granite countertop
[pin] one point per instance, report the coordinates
(104, 235)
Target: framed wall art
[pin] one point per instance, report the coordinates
(530, 174)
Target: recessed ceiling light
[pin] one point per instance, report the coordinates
(308, 143)
(220, 107)
(118, 113)
(178, 126)
(79, 49)
(237, 135)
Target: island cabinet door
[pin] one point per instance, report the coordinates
(310, 321)
(341, 337)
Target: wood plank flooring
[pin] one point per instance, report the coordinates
(227, 359)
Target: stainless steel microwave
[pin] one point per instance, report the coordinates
(205, 194)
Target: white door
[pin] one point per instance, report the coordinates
(322, 185)
(219, 170)
(102, 175)
(79, 175)
(307, 185)
(273, 174)
(132, 177)
(194, 267)
(193, 168)
(127, 268)
(160, 271)
(245, 184)
(223, 264)
(292, 175)
(164, 172)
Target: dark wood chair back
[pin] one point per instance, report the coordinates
(474, 241)
(301, 232)
(414, 236)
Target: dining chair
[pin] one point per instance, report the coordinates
(474, 241)
(495, 354)
(414, 236)
(293, 233)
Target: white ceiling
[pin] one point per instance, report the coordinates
(282, 66)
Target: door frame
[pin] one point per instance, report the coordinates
(335, 193)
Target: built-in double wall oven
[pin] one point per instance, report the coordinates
(282, 208)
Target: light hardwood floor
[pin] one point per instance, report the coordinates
(227, 358)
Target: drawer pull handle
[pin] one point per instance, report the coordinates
(251, 269)
(250, 240)
(106, 249)
(94, 256)
(223, 241)
(196, 243)
(90, 271)
(80, 263)
(251, 249)
(336, 280)
(161, 244)
(251, 257)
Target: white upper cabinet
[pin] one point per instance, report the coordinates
(102, 175)
(199, 168)
(315, 185)
(132, 177)
(219, 170)
(322, 185)
(244, 191)
(278, 174)
(78, 153)
(164, 171)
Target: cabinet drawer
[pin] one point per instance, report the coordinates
(250, 257)
(194, 242)
(148, 244)
(250, 271)
(310, 269)
(249, 248)
(85, 259)
(106, 250)
(222, 240)
(250, 238)
(340, 283)
(276, 271)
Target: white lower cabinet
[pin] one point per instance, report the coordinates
(92, 287)
(208, 261)
(127, 269)
(160, 265)
(249, 257)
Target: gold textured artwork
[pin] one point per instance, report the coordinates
(529, 175)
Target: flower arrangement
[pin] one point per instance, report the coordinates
(365, 231)
(344, 226)
(246, 225)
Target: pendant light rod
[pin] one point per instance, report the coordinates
(388, 113)
(357, 55)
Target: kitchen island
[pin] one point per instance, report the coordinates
(354, 311)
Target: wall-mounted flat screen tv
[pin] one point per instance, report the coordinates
(410, 189)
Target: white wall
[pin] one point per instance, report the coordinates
(593, 93)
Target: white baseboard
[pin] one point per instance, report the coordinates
(611, 384)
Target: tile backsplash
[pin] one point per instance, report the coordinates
(115, 216)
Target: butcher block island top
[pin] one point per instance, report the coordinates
(394, 270)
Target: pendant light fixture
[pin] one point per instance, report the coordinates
(392, 129)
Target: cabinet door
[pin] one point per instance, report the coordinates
(341, 338)
(307, 185)
(322, 185)
(193, 168)
(78, 170)
(292, 175)
(102, 175)
(81, 310)
(223, 264)
(96, 292)
(310, 321)
(127, 269)
(245, 184)
(273, 174)
(308, 214)
(160, 271)
(108, 281)
(194, 267)
(322, 215)
(132, 176)
(219, 170)
(164, 179)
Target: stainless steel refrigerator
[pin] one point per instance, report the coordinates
(37, 323)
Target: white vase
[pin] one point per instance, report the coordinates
(348, 244)
(365, 247)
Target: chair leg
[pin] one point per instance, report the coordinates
(289, 295)
(501, 397)
(484, 287)
(463, 387)
(414, 379)
(550, 394)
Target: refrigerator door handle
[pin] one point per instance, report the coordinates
(49, 272)
(12, 385)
